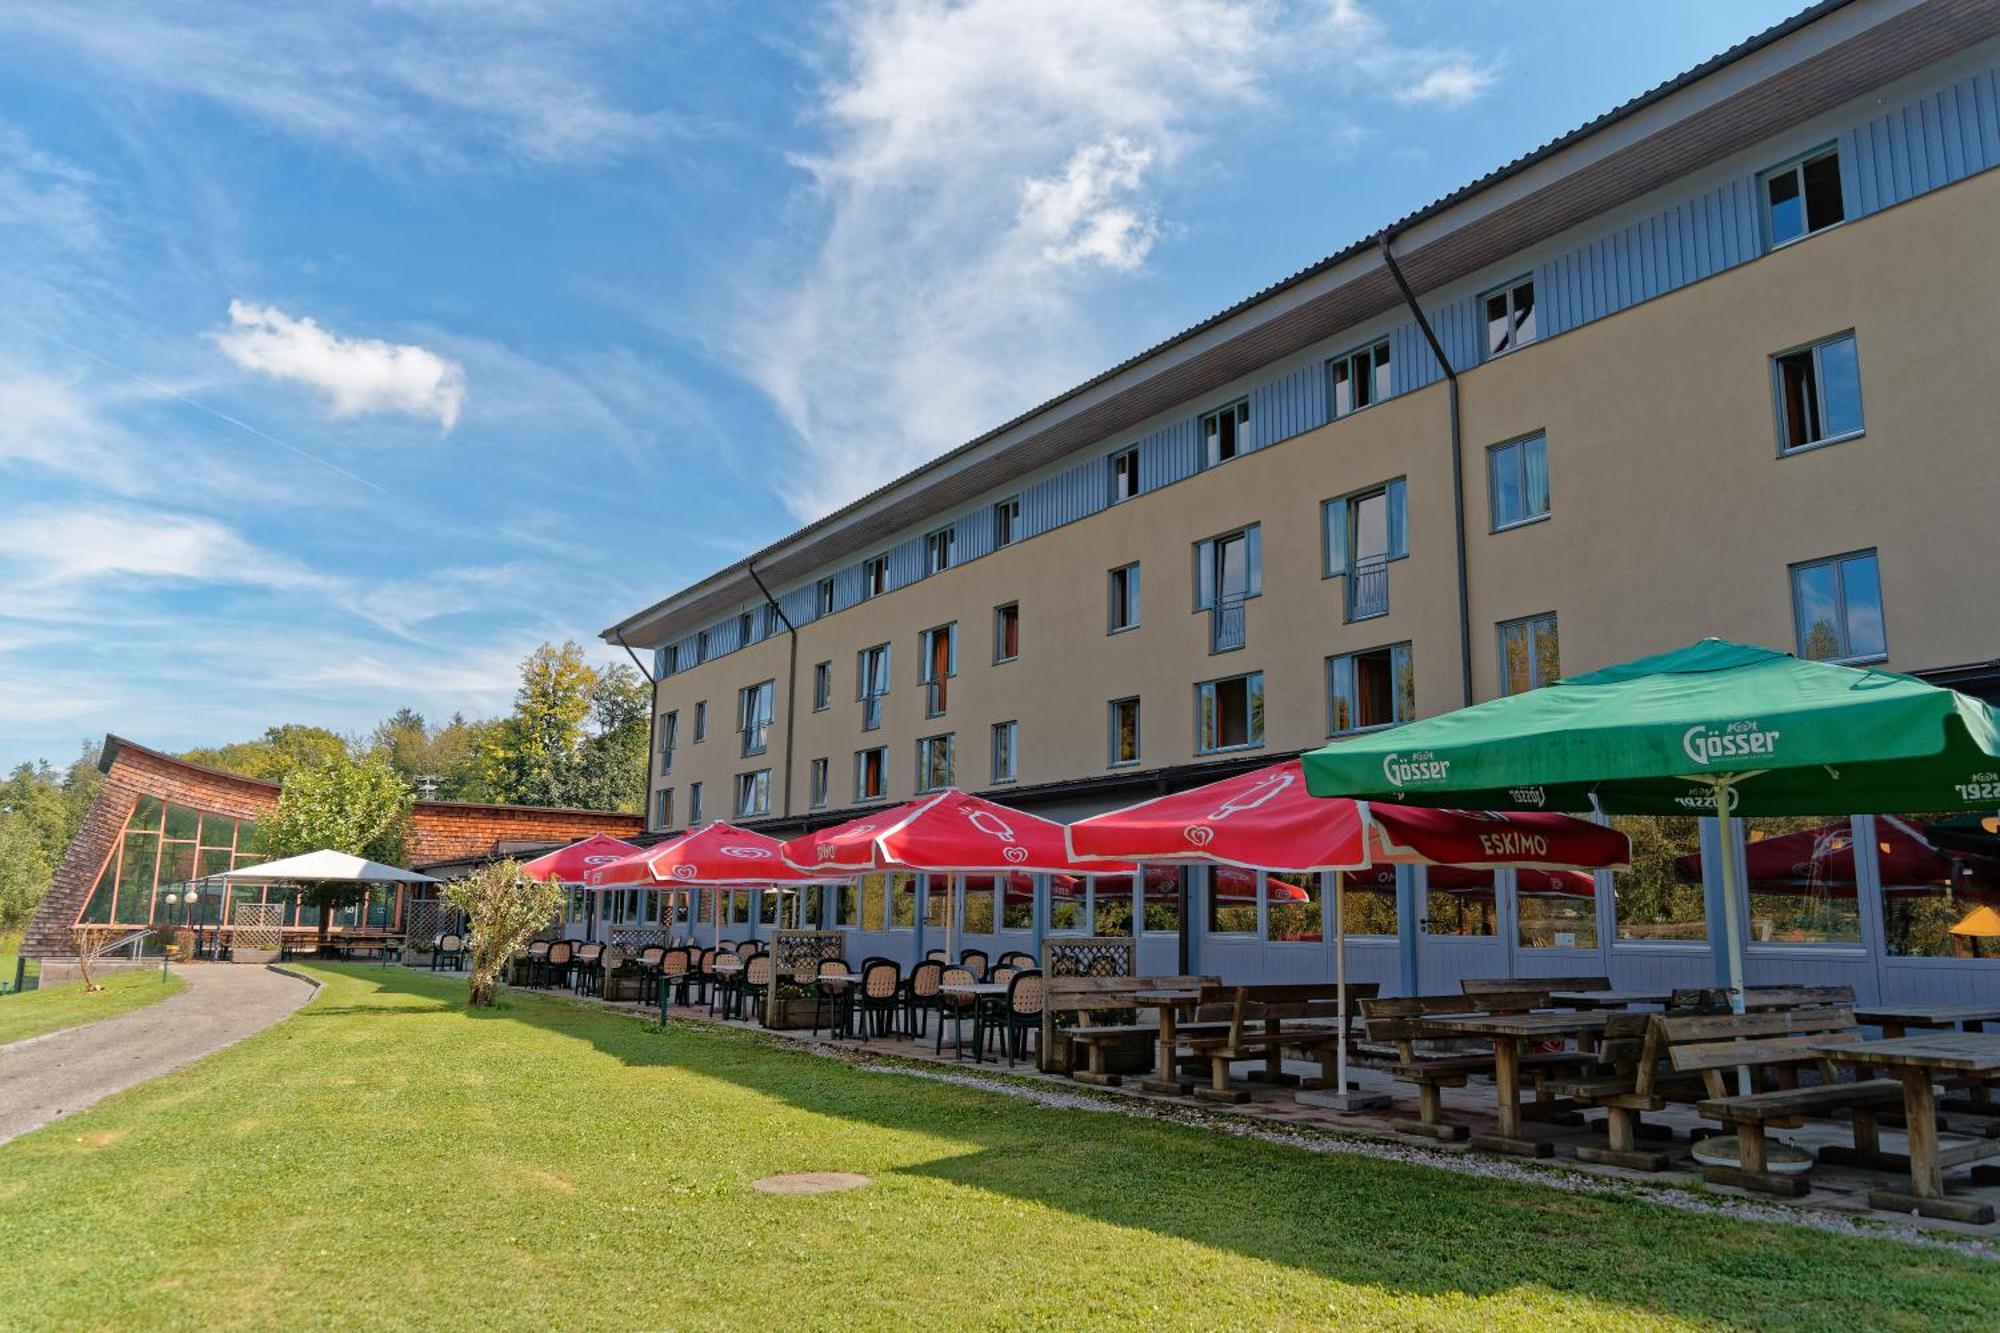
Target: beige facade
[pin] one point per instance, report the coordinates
(1672, 516)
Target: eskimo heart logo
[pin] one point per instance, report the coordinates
(1014, 854)
(1200, 835)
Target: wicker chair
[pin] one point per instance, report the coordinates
(587, 973)
(920, 995)
(881, 996)
(528, 967)
(975, 962)
(1019, 959)
(937, 955)
(1019, 1016)
(675, 973)
(556, 966)
(835, 997)
(957, 1008)
(754, 985)
(609, 960)
(450, 952)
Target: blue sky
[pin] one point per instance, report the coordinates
(347, 351)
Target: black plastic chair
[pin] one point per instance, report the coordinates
(976, 962)
(881, 996)
(833, 997)
(920, 995)
(450, 952)
(956, 1008)
(1012, 1018)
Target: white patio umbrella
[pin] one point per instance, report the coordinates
(325, 866)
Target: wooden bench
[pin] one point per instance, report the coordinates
(1782, 1042)
(1714, 1000)
(1629, 1080)
(1087, 997)
(1248, 1023)
(1513, 989)
(1400, 1023)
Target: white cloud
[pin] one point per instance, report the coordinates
(989, 167)
(54, 546)
(358, 375)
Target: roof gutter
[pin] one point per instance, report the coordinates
(1386, 241)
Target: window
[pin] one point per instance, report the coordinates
(937, 551)
(1510, 316)
(1372, 689)
(1803, 197)
(1657, 901)
(937, 664)
(701, 722)
(822, 686)
(1292, 907)
(1124, 731)
(1228, 571)
(1006, 632)
(871, 774)
(1125, 598)
(694, 804)
(1460, 902)
(1794, 865)
(745, 630)
(1124, 475)
(667, 660)
(872, 683)
(753, 793)
(934, 763)
(1528, 654)
(772, 620)
(1232, 901)
(1225, 432)
(823, 597)
(701, 646)
(1555, 909)
(816, 783)
(1362, 533)
(753, 716)
(1359, 379)
(1925, 894)
(1004, 735)
(1518, 478)
(1819, 393)
(670, 735)
(663, 808)
(1006, 521)
(1837, 609)
(875, 577)
(1229, 713)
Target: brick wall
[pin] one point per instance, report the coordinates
(441, 830)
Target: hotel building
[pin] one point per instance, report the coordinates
(1719, 362)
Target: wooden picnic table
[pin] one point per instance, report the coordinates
(1895, 1019)
(1166, 1074)
(1609, 999)
(1507, 1032)
(1916, 1061)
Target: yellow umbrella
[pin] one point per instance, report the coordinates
(1980, 921)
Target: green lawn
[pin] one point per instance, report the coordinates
(384, 1158)
(68, 1005)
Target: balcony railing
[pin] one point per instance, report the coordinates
(936, 695)
(756, 738)
(1226, 628)
(1368, 588)
(871, 712)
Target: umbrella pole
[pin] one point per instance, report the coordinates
(1338, 1097)
(1732, 940)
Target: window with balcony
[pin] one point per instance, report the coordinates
(745, 630)
(1518, 481)
(937, 664)
(701, 646)
(1510, 316)
(753, 793)
(1376, 688)
(701, 722)
(670, 660)
(1125, 598)
(938, 547)
(934, 771)
(1124, 747)
(1228, 572)
(872, 683)
(1359, 379)
(1819, 394)
(753, 716)
(1837, 608)
(1006, 521)
(1005, 759)
(875, 577)
(773, 622)
(822, 686)
(1363, 532)
(1803, 196)
(1124, 475)
(1006, 632)
(1530, 655)
(1229, 713)
(816, 783)
(823, 597)
(871, 774)
(1225, 433)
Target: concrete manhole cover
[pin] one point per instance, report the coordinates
(810, 1182)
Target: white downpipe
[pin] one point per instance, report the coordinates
(1340, 978)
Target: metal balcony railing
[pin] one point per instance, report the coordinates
(1226, 629)
(936, 695)
(871, 712)
(1368, 588)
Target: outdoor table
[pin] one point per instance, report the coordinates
(1915, 1061)
(1610, 999)
(1507, 1032)
(1896, 1019)
(1168, 1002)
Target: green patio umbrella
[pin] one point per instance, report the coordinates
(1716, 727)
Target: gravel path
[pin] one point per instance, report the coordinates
(46, 1078)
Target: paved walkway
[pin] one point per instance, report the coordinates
(46, 1078)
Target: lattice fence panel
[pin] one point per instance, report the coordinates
(256, 927)
(425, 919)
(1089, 956)
(798, 953)
(637, 937)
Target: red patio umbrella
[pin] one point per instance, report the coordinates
(1822, 860)
(568, 865)
(1266, 820)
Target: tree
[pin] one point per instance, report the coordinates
(278, 753)
(362, 809)
(535, 756)
(614, 760)
(503, 909)
(40, 811)
(442, 762)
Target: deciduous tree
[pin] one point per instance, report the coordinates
(503, 909)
